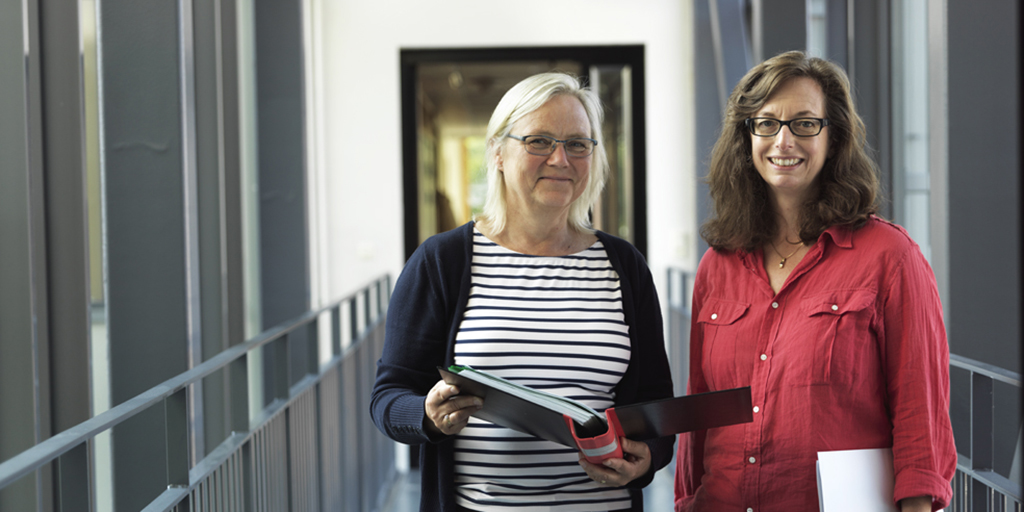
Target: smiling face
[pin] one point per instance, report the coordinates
(546, 185)
(790, 164)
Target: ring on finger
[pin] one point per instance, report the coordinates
(447, 421)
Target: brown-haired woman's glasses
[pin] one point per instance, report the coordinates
(801, 126)
(543, 145)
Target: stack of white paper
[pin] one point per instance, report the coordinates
(856, 481)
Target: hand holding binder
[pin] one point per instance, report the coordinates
(573, 424)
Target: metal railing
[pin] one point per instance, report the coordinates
(679, 291)
(313, 447)
(977, 487)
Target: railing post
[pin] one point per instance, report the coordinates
(176, 417)
(313, 347)
(73, 479)
(982, 422)
(353, 324)
(238, 400)
(336, 331)
(281, 364)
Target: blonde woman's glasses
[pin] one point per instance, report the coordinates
(543, 145)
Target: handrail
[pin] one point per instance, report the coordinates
(988, 370)
(966, 464)
(46, 451)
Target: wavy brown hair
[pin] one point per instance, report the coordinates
(847, 186)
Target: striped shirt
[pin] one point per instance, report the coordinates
(552, 323)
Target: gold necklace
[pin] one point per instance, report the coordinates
(784, 258)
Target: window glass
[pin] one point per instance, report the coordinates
(817, 28)
(911, 189)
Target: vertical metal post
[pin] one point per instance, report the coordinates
(238, 397)
(279, 361)
(336, 331)
(72, 482)
(982, 423)
(176, 440)
(313, 347)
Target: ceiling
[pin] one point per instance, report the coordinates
(464, 94)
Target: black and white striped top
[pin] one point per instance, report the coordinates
(551, 323)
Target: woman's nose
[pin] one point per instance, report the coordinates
(559, 156)
(784, 138)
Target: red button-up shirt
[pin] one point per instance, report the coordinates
(850, 354)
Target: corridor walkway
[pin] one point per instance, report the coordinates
(405, 496)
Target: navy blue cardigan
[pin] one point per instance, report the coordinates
(423, 318)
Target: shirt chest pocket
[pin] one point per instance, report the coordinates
(839, 326)
(722, 326)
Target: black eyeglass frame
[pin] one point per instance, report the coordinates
(554, 145)
(751, 120)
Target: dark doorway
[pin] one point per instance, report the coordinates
(447, 99)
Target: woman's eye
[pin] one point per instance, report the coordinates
(539, 143)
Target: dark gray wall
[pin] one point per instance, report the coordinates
(984, 181)
(985, 201)
(783, 27)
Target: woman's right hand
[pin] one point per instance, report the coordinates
(447, 412)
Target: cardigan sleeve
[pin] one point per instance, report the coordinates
(415, 342)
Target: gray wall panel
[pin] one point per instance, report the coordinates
(283, 234)
(985, 194)
(145, 216)
(984, 182)
(17, 406)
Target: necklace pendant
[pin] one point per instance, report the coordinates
(782, 263)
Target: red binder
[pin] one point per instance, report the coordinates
(518, 407)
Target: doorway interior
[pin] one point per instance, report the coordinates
(447, 99)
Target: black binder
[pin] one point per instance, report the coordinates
(572, 424)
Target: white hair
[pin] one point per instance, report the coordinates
(522, 99)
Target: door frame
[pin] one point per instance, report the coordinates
(631, 55)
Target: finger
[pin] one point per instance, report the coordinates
(445, 391)
(638, 449)
(461, 409)
(598, 473)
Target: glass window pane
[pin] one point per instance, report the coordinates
(910, 120)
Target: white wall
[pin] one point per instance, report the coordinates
(361, 115)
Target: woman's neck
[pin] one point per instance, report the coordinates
(540, 239)
(787, 219)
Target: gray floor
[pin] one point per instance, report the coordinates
(405, 496)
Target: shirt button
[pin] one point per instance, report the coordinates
(764, 357)
(775, 305)
(750, 509)
(714, 316)
(752, 460)
(835, 307)
(757, 409)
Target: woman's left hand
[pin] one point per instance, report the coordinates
(618, 472)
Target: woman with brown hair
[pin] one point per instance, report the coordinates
(829, 313)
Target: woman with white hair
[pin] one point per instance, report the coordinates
(532, 293)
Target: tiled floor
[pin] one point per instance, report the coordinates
(405, 497)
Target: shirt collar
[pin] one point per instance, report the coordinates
(842, 236)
